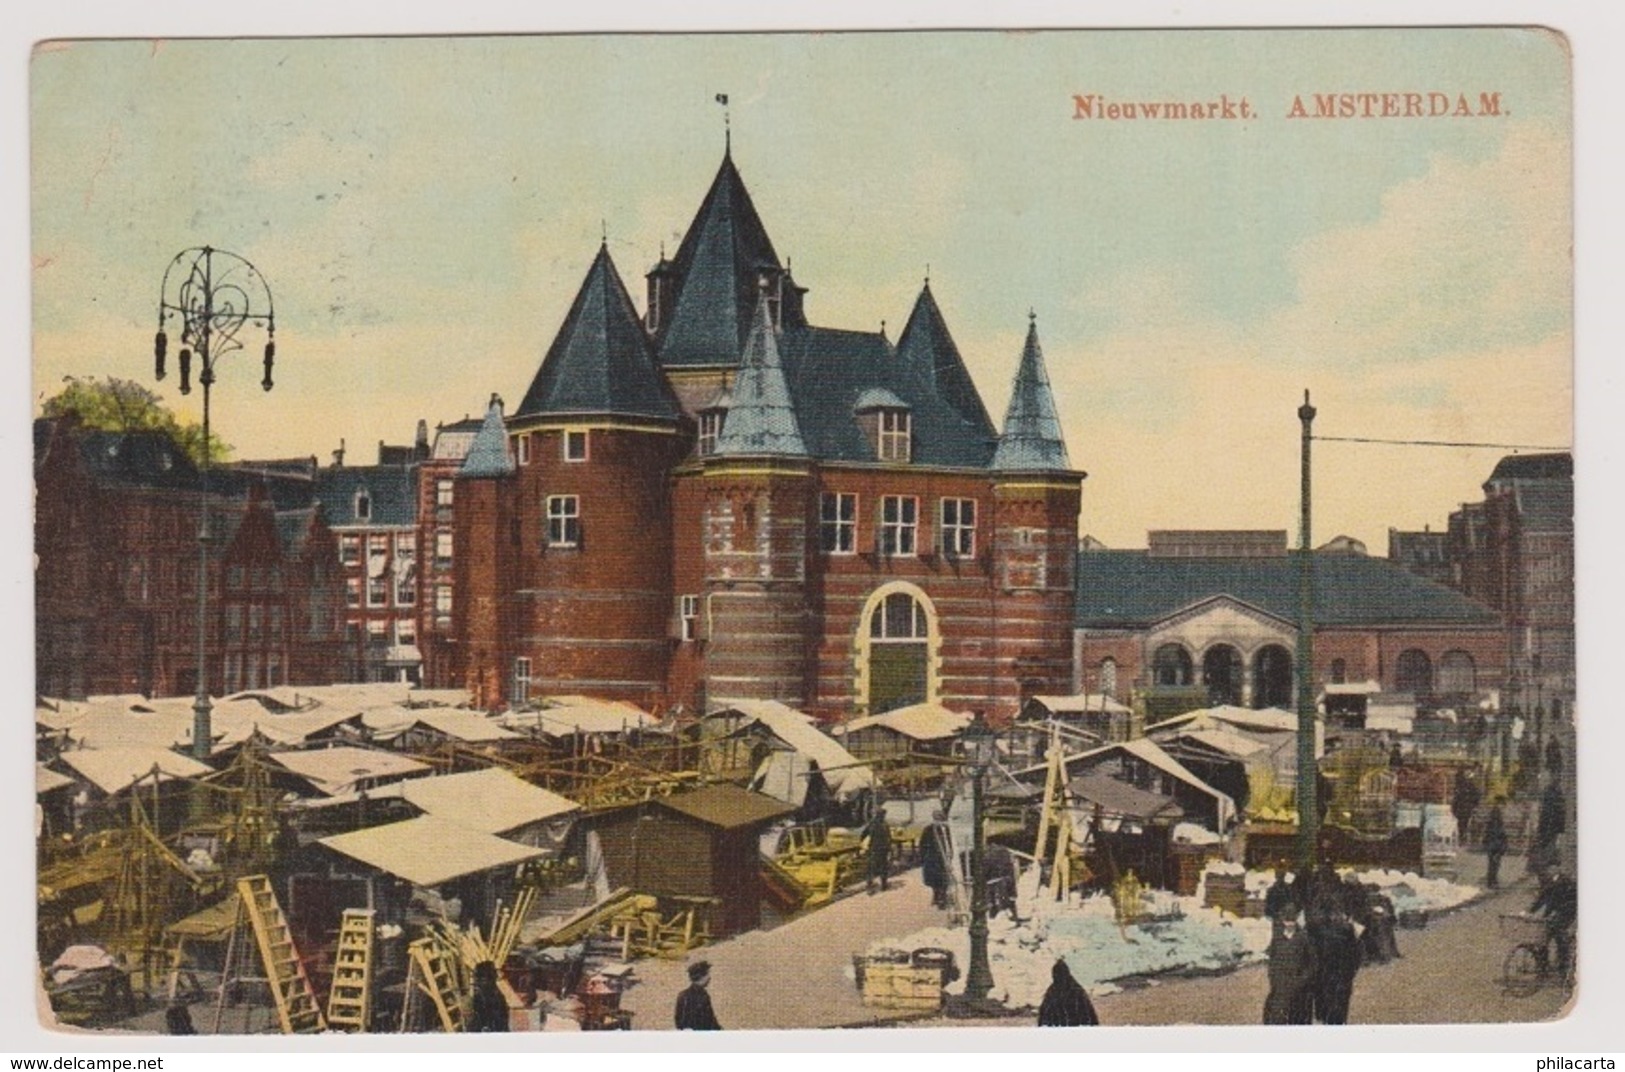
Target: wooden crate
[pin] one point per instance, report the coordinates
(902, 986)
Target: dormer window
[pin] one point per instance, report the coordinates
(363, 505)
(896, 433)
(710, 431)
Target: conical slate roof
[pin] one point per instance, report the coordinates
(761, 419)
(1032, 433)
(600, 361)
(717, 268)
(926, 346)
(488, 454)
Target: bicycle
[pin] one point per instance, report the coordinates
(1528, 966)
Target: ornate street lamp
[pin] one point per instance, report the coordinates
(214, 295)
(980, 744)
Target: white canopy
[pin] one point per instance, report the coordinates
(798, 733)
(115, 769)
(921, 722)
(490, 801)
(459, 724)
(342, 770)
(429, 850)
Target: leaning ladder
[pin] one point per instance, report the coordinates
(429, 971)
(296, 1006)
(349, 1000)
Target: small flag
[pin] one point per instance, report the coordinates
(722, 99)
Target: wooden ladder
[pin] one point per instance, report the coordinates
(429, 970)
(349, 999)
(296, 1006)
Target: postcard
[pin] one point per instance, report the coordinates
(766, 531)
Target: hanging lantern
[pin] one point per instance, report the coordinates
(186, 371)
(160, 346)
(270, 356)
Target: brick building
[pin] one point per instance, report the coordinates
(372, 511)
(1514, 551)
(719, 500)
(115, 536)
(1211, 618)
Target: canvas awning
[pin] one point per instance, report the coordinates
(586, 717)
(113, 770)
(341, 770)
(782, 776)
(46, 779)
(456, 723)
(919, 722)
(1118, 798)
(429, 850)
(490, 801)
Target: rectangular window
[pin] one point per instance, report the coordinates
(688, 610)
(234, 623)
(899, 523)
(234, 672)
(443, 492)
(349, 548)
(406, 631)
(575, 445)
(352, 591)
(251, 672)
(895, 433)
(378, 591)
(958, 528)
(234, 578)
(522, 449)
(710, 429)
(563, 521)
(442, 548)
(521, 679)
(377, 545)
(406, 545)
(838, 522)
(406, 588)
(442, 599)
(273, 671)
(273, 617)
(256, 622)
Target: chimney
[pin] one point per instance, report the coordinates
(420, 446)
(338, 456)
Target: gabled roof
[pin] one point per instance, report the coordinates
(717, 267)
(600, 361)
(113, 770)
(341, 770)
(488, 454)
(926, 347)
(727, 806)
(391, 493)
(760, 419)
(1129, 589)
(1031, 439)
(800, 734)
(920, 722)
(490, 801)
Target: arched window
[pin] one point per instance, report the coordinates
(1221, 673)
(1171, 665)
(1108, 678)
(1339, 671)
(1413, 672)
(899, 617)
(1272, 677)
(1457, 672)
(898, 668)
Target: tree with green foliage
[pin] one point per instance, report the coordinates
(115, 405)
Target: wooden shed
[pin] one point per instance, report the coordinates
(702, 844)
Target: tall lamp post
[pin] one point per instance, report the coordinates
(1308, 805)
(213, 294)
(980, 748)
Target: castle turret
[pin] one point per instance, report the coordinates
(484, 563)
(594, 441)
(1036, 502)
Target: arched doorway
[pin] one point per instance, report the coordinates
(896, 642)
(1458, 674)
(1221, 673)
(1171, 665)
(1272, 677)
(1413, 673)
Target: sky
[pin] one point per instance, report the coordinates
(424, 210)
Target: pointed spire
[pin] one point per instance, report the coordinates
(488, 454)
(723, 255)
(1032, 432)
(761, 419)
(926, 346)
(600, 361)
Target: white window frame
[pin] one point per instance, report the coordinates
(564, 521)
(363, 505)
(406, 631)
(377, 629)
(838, 534)
(442, 599)
(956, 535)
(445, 492)
(894, 435)
(406, 545)
(688, 612)
(350, 548)
(352, 591)
(899, 529)
(710, 431)
(573, 436)
(443, 546)
(522, 449)
(378, 590)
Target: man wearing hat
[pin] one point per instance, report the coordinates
(694, 1004)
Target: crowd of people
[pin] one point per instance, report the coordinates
(1325, 928)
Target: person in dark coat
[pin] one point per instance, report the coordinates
(1550, 822)
(935, 853)
(1066, 1003)
(490, 1008)
(1464, 801)
(1337, 959)
(1554, 757)
(1291, 998)
(178, 1020)
(879, 833)
(693, 1012)
(1495, 843)
(1281, 900)
(1559, 902)
(1380, 941)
